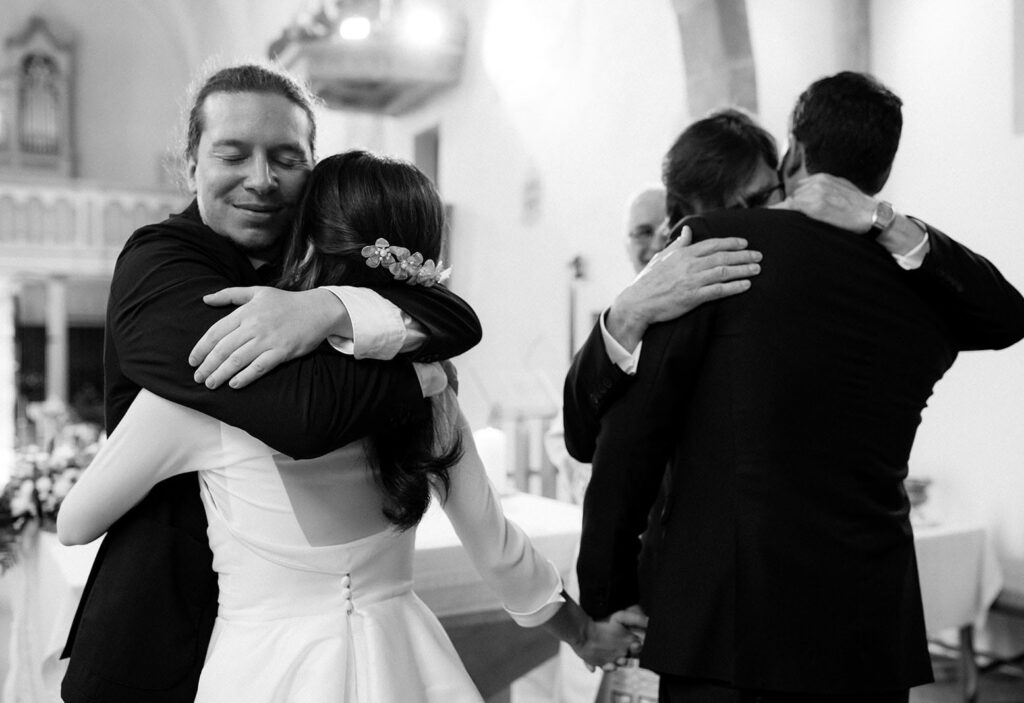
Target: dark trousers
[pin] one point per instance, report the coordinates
(675, 689)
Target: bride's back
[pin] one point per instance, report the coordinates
(329, 500)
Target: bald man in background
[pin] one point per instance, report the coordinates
(645, 231)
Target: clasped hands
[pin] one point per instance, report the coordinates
(608, 644)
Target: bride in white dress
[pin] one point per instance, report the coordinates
(314, 557)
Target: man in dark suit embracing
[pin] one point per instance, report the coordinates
(785, 569)
(143, 625)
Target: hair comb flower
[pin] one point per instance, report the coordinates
(405, 265)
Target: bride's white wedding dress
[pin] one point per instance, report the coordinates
(316, 588)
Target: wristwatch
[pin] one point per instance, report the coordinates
(881, 219)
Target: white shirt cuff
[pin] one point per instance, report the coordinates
(415, 333)
(545, 612)
(378, 330)
(617, 353)
(915, 257)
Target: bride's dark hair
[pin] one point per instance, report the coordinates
(351, 200)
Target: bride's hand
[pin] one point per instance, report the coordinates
(609, 643)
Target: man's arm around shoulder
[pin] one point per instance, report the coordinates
(304, 408)
(451, 326)
(984, 310)
(678, 279)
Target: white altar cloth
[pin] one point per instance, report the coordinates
(960, 575)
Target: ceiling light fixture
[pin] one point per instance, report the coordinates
(354, 28)
(423, 26)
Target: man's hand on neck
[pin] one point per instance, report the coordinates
(838, 202)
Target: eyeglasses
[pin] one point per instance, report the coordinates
(642, 232)
(758, 198)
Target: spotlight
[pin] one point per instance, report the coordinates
(423, 27)
(354, 28)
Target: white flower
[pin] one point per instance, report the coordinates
(64, 483)
(22, 502)
(62, 456)
(44, 484)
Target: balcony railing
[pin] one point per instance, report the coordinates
(73, 227)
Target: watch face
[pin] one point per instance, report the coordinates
(883, 216)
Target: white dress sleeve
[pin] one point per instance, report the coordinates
(155, 440)
(528, 584)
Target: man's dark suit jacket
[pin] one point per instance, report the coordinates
(786, 417)
(145, 618)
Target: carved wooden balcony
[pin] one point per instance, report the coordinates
(384, 71)
(73, 227)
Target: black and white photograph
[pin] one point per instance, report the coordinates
(511, 351)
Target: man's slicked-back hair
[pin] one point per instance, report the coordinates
(712, 159)
(248, 78)
(849, 125)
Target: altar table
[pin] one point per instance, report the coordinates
(45, 586)
(960, 579)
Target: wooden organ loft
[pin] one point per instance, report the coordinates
(59, 238)
(35, 105)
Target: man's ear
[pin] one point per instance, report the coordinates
(794, 162)
(190, 174)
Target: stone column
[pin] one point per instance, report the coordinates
(853, 35)
(8, 387)
(56, 339)
(717, 56)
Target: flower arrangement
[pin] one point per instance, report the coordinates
(39, 481)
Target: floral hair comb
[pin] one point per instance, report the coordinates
(405, 265)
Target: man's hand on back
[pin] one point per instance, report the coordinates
(271, 327)
(678, 279)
